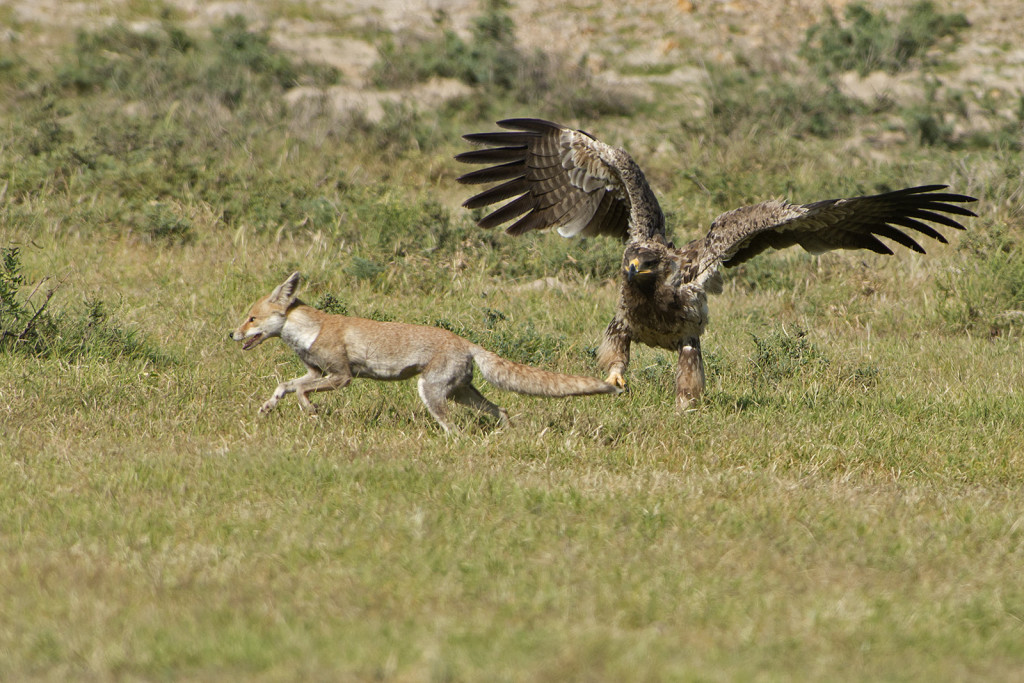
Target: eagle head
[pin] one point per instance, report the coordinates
(641, 265)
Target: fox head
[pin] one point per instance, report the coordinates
(266, 317)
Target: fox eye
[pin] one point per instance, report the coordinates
(252, 319)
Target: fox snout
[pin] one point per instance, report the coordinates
(248, 333)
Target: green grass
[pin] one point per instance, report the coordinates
(844, 505)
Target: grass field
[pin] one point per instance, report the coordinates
(845, 504)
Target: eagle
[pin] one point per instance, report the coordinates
(559, 177)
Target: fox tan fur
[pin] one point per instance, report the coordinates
(337, 348)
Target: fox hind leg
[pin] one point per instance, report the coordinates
(435, 397)
(468, 395)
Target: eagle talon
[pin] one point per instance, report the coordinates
(616, 380)
(685, 404)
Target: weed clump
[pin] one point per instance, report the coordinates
(374, 217)
(745, 97)
(113, 59)
(490, 58)
(781, 273)
(944, 119)
(493, 60)
(364, 269)
(869, 41)
(130, 122)
(161, 222)
(28, 326)
(329, 303)
(13, 310)
(238, 66)
(782, 354)
(241, 49)
(945, 116)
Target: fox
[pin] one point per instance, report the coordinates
(337, 348)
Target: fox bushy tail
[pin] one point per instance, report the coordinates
(524, 379)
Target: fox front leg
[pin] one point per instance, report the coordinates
(335, 380)
(284, 388)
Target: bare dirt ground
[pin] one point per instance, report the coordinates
(631, 44)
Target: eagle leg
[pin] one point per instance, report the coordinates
(613, 354)
(689, 375)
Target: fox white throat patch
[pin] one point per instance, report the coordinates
(299, 332)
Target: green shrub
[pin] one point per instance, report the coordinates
(381, 221)
(236, 66)
(869, 41)
(329, 303)
(131, 123)
(780, 272)
(44, 131)
(745, 97)
(493, 60)
(782, 354)
(13, 311)
(161, 222)
(27, 325)
(401, 131)
(118, 58)
(92, 332)
(238, 46)
(364, 269)
(935, 121)
(14, 72)
(247, 66)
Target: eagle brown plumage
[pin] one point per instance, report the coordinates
(558, 177)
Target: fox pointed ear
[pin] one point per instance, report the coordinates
(284, 293)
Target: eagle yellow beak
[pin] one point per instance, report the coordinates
(634, 270)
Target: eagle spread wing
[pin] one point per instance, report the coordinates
(854, 223)
(556, 177)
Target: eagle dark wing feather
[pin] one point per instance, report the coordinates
(856, 223)
(498, 193)
(611, 214)
(492, 155)
(514, 209)
(493, 174)
(920, 227)
(555, 177)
